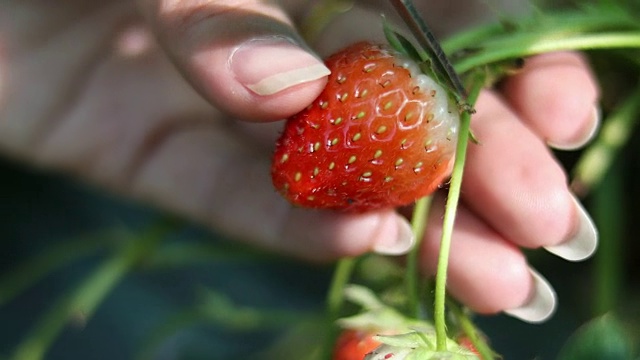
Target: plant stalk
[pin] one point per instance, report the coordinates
(412, 278)
(469, 329)
(450, 215)
(533, 44)
(80, 305)
(335, 299)
(609, 213)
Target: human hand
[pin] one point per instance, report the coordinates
(85, 88)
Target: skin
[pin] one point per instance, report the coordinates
(86, 89)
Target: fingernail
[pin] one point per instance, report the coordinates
(399, 245)
(270, 65)
(583, 243)
(589, 132)
(541, 304)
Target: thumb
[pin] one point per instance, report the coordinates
(246, 59)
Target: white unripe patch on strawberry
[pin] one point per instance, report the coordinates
(444, 110)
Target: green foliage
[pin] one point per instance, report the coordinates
(602, 338)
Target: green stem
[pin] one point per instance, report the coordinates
(335, 299)
(615, 133)
(609, 214)
(33, 270)
(470, 330)
(449, 218)
(82, 303)
(598, 169)
(521, 45)
(341, 276)
(552, 25)
(469, 39)
(412, 278)
(182, 254)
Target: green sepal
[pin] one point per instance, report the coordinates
(419, 344)
(401, 44)
(404, 46)
(376, 315)
(473, 138)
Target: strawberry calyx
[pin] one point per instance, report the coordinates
(399, 336)
(418, 344)
(401, 44)
(376, 316)
(404, 46)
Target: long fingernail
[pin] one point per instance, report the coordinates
(588, 133)
(583, 243)
(399, 245)
(540, 306)
(270, 65)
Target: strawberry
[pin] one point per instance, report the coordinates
(354, 345)
(381, 134)
(466, 343)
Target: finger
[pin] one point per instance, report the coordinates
(556, 95)
(246, 58)
(514, 183)
(486, 272)
(328, 235)
(239, 201)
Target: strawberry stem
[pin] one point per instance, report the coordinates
(412, 278)
(341, 276)
(449, 217)
(82, 302)
(335, 299)
(532, 44)
(616, 131)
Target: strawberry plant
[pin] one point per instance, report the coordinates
(325, 135)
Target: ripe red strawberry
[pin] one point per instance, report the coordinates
(381, 134)
(354, 345)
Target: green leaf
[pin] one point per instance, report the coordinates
(401, 44)
(600, 339)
